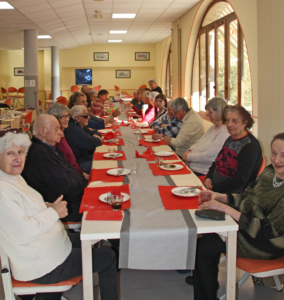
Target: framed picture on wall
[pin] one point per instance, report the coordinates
(123, 74)
(102, 56)
(142, 55)
(19, 71)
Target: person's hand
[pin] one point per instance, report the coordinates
(60, 207)
(86, 176)
(163, 125)
(184, 156)
(117, 112)
(213, 204)
(157, 136)
(97, 136)
(208, 183)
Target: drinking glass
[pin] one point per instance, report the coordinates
(111, 152)
(116, 202)
(135, 166)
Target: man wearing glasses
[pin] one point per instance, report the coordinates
(82, 140)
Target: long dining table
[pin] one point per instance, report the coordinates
(139, 185)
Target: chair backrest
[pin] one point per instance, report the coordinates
(117, 89)
(74, 88)
(144, 86)
(21, 90)
(124, 93)
(12, 90)
(28, 117)
(62, 101)
(97, 88)
(8, 101)
(60, 98)
(262, 166)
(39, 102)
(4, 91)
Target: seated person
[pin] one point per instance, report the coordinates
(240, 158)
(47, 171)
(137, 106)
(167, 124)
(32, 235)
(154, 86)
(97, 108)
(62, 114)
(160, 103)
(200, 156)
(134, 101)
(82, 140)
(85, 89)
(259, 213)
(93, 94)
(191, 130)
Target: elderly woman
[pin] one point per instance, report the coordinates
(27, 222)
(154, 86)
(62, 114)
(161, 104)
(240, 158)
(93, 95)
(258, 211)
(201, 155)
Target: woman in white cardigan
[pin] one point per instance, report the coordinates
(201, 155)
(38, 246)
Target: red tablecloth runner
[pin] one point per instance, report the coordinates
(91, 202)
(173, 157)
(157, 171)
(172, 201)
(120, 143)
(149, 144)
(104, 215)
(99, 156)
(101, 175)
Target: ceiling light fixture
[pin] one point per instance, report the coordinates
(123, 16)
(118, 31)
(98, 14)
(44, 37)
(114, 41)
(6, 5)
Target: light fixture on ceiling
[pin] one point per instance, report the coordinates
(118, 31)
(6, 5)
(123, 16)
(98, 14)
(114, 41)
(44, 37)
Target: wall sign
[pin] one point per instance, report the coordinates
(19, 71)
(123, 74)
(142, 56)
(102, 56)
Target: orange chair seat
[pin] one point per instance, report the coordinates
(72, 281)
(259, 265)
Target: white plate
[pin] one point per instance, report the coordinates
(117, 155)
(192, 193)
(105, 131)
(103, 197)
(114, 171)
(176, 168)
(164, 153)
(109, 141)
(141, 131)
(108, 125)
(152, 141)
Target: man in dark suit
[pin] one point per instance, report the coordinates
(47, 171)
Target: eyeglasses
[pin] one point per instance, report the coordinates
(64, 117)
(175, 112)
(86, 116)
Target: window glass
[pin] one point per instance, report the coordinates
(233, 79)
(203, 71)
(246, 81)
(211, 42)
(221, 62)
(218, 11)
(195, 80)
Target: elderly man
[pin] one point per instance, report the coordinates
(85, 89)
(47, 171)
(135, 100)
(154, 86)
(82, 140)
(167, 124)
(191, 130)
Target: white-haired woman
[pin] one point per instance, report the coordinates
(201, 155)
(27, 222)
(93, 95)
(154, 86)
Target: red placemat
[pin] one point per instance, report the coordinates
(101, 175)
(172, 201)
(149, 144)
(120, 143)
(104, 215)
(159, 172)
(173, 157)
(123, 124)
(91, 202)
(99, 156)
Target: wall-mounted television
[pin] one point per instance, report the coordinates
(84, 76)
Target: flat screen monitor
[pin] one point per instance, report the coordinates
(84, 76)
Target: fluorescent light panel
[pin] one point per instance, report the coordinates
(114, 41)
(123, 16)
(44, 37)
(118, 31)
(5, 5)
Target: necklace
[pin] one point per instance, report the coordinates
(275, 183)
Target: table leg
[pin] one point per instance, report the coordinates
(87, 269)
(231, 265)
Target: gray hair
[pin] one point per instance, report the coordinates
(11, 139)
(153, 95)
(77, 110)
(83, 88)
(217, 104)
(152, 80)
(57, 110)
(42, 121)
(179, 104)
(93, 92)
(146, 94)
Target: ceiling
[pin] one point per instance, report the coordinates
(72, 23)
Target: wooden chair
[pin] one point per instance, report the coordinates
(4, 93)
(62, 100)
(74, 88)
(97, 88)
(144, 86)
(14, 287)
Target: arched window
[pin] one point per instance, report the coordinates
(221, 66)
(169, 74)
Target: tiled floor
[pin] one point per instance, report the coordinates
(168, 285)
